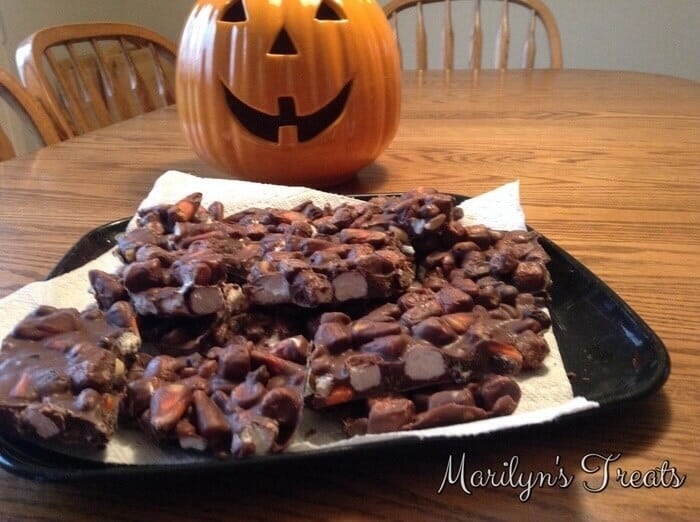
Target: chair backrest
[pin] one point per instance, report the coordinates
(93, 74)
(21, 102)
(538, 14)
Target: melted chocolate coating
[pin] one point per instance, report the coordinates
(62, 376)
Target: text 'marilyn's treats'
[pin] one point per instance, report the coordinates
(218, 330)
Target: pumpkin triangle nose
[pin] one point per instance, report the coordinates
(283, 44)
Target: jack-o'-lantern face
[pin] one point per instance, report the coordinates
(292, 91)
(279, 57)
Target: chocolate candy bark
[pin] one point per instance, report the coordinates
(490, 396)
(62, 374)
(414, 318)
(469, 313)
(306, 256)
(242, 398)
(428, 338)
(311, 272)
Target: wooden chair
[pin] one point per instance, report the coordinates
(22, 103)
(537, 11)
(93, 74)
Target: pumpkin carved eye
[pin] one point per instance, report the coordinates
(235, 12)
(329, 11)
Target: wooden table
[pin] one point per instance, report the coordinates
(609, 164)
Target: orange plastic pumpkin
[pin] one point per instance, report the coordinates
(288, 91)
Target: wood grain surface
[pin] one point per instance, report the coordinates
(609, 166)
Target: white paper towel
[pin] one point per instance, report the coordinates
(546, 394)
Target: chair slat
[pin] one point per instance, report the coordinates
(19, 98)
(92, 98)
(477, 37)
(421, 40)
(395, 26)
(503, 39)
(68, 95)
(108, 82)
(536, 11)
(448, 38)
(529, 50)
(135, 81)
(7, 151)
(125, 75)
(165, 95)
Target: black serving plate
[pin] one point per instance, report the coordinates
(611, 354)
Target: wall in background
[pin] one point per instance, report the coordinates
(655, 36)
(165, 16)
(19, 18)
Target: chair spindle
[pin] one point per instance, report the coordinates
(67, 95)
(529, 50)
(421, 44)
(164, 94)
(90, 97)
(448, 38)
(107, 81)
(477, 37)
(135, 81)
(503, 39)
(395, 27)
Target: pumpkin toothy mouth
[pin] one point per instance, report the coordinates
(266, 126)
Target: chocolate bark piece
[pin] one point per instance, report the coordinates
(424, 218)
(428, 338)
(238, 254)
(371, 356)
(499, 337)
(278, 253)
(173, 302)
(311, 272)
(492, 266)
(238, 399)
(155, 274)
(129, 242)
(162, 218)
(182, 298)
(296, 263)
(505, 277)
(107, 288)
(268, 326)
(185, 334)
(62, 374)
(180, 335)
(265, 422)
(485, 397)
(169, 227)
(193, 301)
